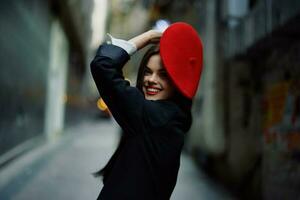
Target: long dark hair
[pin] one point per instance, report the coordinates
(183, 102)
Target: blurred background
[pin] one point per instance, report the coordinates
(246, 115)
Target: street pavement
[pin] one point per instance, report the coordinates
(62, 169)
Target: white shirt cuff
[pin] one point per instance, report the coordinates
(129, 47)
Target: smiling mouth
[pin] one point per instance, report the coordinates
(152, 90)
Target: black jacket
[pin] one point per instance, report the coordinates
(147, 163)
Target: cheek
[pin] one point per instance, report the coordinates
(143, 85)
(144, 79)
(168, 86)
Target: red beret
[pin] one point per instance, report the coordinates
(181, 51)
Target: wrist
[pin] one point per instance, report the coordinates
(151, 34)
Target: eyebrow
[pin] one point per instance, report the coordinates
(161, 70)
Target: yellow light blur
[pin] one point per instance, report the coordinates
(65, 98)
(101, 104)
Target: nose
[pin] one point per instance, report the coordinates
(152, 78)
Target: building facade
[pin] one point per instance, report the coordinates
(44, 51)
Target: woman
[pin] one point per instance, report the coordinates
(154, 115)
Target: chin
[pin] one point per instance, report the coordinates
(154, 97)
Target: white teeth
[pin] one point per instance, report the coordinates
(152, 90)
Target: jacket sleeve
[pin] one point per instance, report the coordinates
(125, 102)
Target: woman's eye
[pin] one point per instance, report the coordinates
(147, 72)
(164, 74)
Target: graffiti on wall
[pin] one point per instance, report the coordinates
(281, 106)
(281, 129)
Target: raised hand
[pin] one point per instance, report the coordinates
(149, 37)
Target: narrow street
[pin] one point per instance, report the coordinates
(62, 170)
